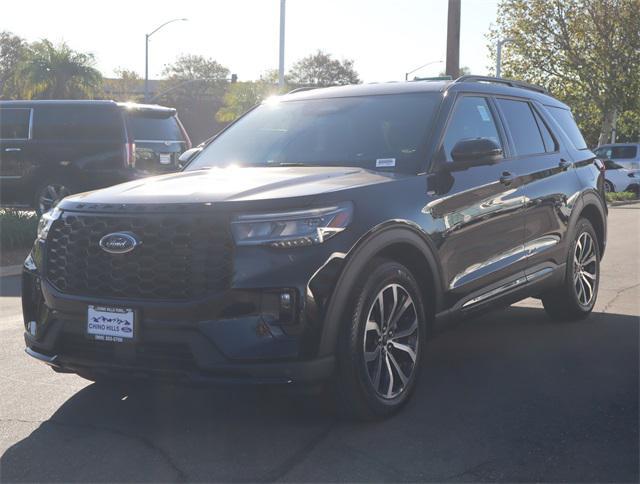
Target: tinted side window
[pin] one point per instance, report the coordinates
(522, 126)
(471, 118)
(78, 123)
(623, 152)
(14, 123)
(565, 119)
(550, 144)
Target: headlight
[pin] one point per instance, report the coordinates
(46, 221)
(292, 229)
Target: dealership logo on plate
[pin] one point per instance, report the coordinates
(119, 242)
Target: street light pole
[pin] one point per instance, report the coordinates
(281, 58)
(406, 74)
(146, 54)
(146, 67)
(499, 55)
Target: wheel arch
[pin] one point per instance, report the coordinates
(593, 211)
(401, 241)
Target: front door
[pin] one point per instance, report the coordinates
(480, 208)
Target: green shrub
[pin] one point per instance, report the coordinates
(620, 196)
(17, 229)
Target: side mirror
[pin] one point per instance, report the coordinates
(187, 155)
(474, 152)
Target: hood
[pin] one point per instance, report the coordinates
(233, 184)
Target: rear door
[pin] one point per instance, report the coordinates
(15, 133)
(480, 208)
(159, 138)
(549, 182)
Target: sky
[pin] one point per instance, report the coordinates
(385, 38)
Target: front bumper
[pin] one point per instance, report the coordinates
(237, 336)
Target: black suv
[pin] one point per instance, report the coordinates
(324, 235)
(50, 149)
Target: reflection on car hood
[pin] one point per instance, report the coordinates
(233, 184)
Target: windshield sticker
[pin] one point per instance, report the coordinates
(385, 162)
(483, 113)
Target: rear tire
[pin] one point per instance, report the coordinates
(575, 298)
(381, 346)
(50, 192)
(608, 187)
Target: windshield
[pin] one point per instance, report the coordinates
(387, 131)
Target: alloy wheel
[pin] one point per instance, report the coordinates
(585, 269)
(50, 196)
(391, 341)
(608, 186)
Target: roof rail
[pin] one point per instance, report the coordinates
(436, 78)
(300, 89)
(499, 80)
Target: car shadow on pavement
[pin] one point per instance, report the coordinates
(509, 396)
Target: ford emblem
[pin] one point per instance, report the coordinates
(119, 242)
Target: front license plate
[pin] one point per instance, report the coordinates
(165, 158)
(110, 324)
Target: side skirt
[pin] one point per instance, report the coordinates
(503, 293)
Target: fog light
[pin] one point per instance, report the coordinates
(32, 328)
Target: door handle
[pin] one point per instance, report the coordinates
(9, 150)
(564, 164)
(506, 178)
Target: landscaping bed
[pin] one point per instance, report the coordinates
(17, 233)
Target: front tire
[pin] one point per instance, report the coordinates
(576, 297)
(381, 346)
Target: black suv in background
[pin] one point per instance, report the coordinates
(324, 235)
(50, 149)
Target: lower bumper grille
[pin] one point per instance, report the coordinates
(147, 355)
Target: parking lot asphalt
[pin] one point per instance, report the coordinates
(509, 396)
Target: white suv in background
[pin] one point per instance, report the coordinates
(617, 178)
(627, 155)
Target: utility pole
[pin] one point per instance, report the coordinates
(453, 39)
(281, 61)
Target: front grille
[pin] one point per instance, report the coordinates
(180, 257)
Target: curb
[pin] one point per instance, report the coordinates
(7, 271)
(620, 204)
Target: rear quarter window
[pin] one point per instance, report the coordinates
(565, 119)
(78, 123)
(145, 126)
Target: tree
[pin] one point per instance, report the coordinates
(57, 72)
(320, 69)
(242, 96)
(125, 87)
(12, 51)
(194, 85)
(586, 52)
(195, 75)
